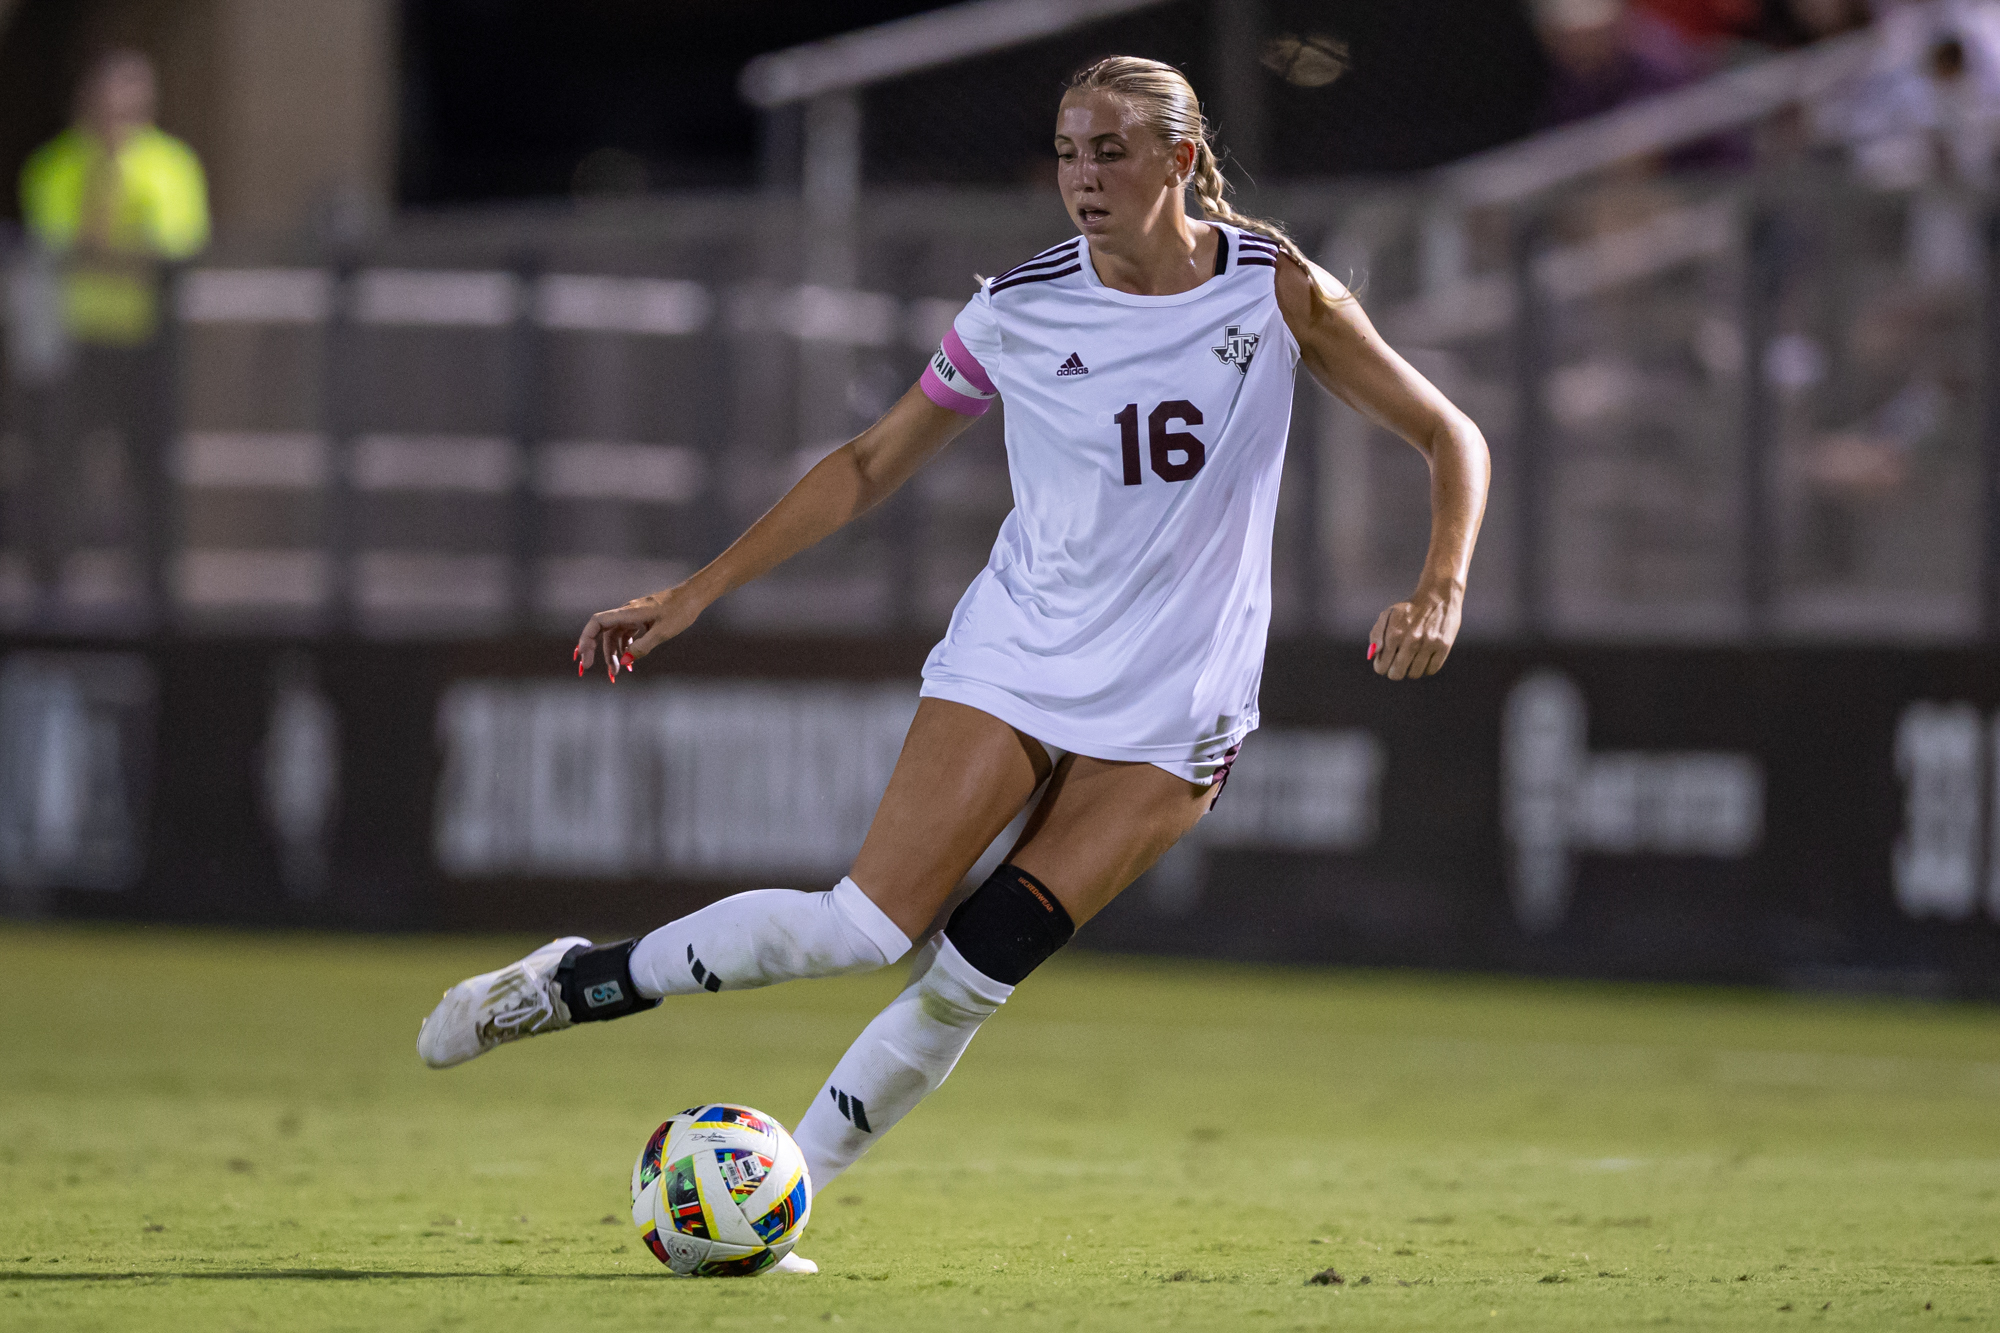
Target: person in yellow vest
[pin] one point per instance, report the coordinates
(111, 201)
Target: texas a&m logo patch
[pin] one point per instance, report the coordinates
(1237, 348)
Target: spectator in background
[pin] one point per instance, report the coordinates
(1928, 108)
(110, 200)
(115, 196)
(1719, 31)
(1708, 29)
(1603, 54)
(1606, 53)
(1923, 118)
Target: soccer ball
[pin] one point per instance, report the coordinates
(720, 1191)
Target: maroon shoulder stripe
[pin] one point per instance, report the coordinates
(1252, 259)
(1035, 277)
(1033, 264)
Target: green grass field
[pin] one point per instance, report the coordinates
(232, 1131)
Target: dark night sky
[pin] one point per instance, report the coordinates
(503, 98)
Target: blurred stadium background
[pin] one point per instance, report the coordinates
(510, 311)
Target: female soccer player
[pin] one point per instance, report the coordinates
(1109, 654)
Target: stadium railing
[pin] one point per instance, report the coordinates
(1721, 409)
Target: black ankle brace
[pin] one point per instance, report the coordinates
(1009, 926)
(596, 982)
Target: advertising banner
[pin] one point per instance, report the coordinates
(1825, 817)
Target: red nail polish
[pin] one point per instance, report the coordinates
(627, 660)
(575, 654)
(1371, 652)
(579, 669)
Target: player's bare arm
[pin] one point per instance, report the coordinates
(841, 487)
(1340, 347)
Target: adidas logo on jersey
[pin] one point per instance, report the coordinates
(1073, 366)
(1237, 348)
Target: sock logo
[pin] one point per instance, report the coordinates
(603, 993)
(704, 978)
(851, 1108)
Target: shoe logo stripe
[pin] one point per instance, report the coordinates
(703, 978)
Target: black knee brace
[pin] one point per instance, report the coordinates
(1009, 926)
(596, 982)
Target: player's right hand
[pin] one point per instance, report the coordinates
(627, 633)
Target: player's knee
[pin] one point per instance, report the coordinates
(1009, 926)
(954, 994)
(826, 934)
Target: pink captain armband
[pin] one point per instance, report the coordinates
(956, 380)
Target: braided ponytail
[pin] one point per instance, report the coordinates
(1166, 101)
(1210, 187)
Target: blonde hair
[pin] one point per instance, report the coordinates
(1166, 102)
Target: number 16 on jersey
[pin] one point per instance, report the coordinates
(1162, 443)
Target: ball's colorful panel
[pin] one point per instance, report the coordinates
(790, 1211)
(675, 1147)
(682, 1203)
(646, 1166)
(649, 1160)
(787, 1171)
(722, 1113)
(748, 1266)
(646, 1205)
(743, 1170)
(725, 1219)
(658, 1248)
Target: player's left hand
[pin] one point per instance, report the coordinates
(627, 633)
(1411, 639)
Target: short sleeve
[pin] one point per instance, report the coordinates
(958, 376)
(977, 328)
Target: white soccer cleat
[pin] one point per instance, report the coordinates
(479, 1013)
(792, 1263)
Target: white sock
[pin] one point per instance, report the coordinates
(898, 1060)
(766, 936)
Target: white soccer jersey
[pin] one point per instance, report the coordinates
(1124, 610)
